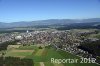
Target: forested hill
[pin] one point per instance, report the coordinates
(93, 21)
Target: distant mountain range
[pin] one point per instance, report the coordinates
(92, 21)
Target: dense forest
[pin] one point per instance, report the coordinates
(15, 61)
(92, 47)
(3, 46)
(79, 26)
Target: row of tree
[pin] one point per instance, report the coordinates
(15, 61)
(4, 45)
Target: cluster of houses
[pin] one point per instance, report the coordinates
(6, 37)
(67, 40)
(45, 37)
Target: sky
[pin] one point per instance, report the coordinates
(31, 10)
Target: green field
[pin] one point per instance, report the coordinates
(44, 55)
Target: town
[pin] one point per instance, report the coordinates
(66, 40)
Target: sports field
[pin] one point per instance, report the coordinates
(42, 57)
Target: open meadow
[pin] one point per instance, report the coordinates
(42, 55)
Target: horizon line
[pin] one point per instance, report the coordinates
(49, 19)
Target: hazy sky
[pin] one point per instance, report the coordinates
(30, 10)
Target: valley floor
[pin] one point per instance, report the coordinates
(42, 56)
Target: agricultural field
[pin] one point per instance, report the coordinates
(42, 56)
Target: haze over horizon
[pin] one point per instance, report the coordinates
(31, 10)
